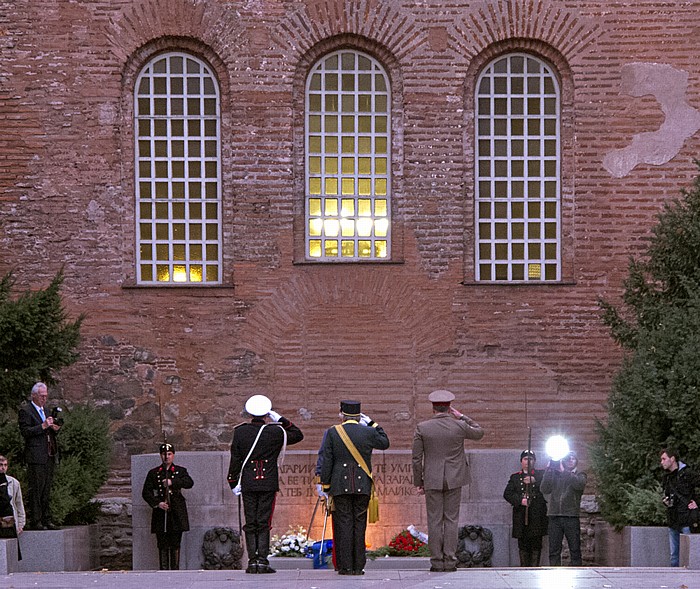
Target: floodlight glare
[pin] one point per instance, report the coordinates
(557, 447)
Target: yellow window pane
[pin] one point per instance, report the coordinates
(212, 272)
(163, 273)
(380, 165)
(330, 248)
(364, 103)
(314, 144)
(195, 231)
(145, 210)
(550, 251)
(162, 231)
(517, 272)
(212, 209)
(315, 165)
(365, 165)
(348, 124)
(331, 145)
(380, 124)
(518, 230)
(347, 248)
(484, 231)
(501, 230)
(347, 227)
(550, 210)
(331, 122)
(550, 230)
(162, 210)
(146, 251)
(315, 124)
(331, 81)
(534, 250)
(196, 273)
(364, 248)
(501, 251)
(380, 145)
(315, 207)
(179, 273)
(348, 186)
(195, 251)
(179, 252)
(364, 207)
(146, 272)
(314, 248)
(331, 164)
(380, 249)
(380, 187)
(380, 207)
(550, 272)
(348, 165)
(348, 145)
(364, 124)
(331, 207)
(347, 207)
(331, 186)
(364, 186)
(315, 227)
(178, 190)
(484, 251)
(364, 145)
(518, 252)
(314, 186)
(534, 271)
(381, 227)
(332, 103)
(212, 252)
(501, 272)
(145, 189)
(331, 227)
(364, 227)
(212, 231)
(380, 104)
(501, 210)
(145, 230)
(348, 103)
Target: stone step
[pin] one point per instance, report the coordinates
(379, 564)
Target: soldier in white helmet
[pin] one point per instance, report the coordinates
(252, 472)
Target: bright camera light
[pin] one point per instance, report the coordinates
(557, 447)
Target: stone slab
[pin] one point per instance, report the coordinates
(690, 551)
(8, 556)
(74, 548)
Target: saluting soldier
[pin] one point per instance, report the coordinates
(255, 448)
(162, 490)
(523, 493)
(346, 478)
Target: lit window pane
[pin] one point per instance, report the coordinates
(315, 227)
(331, 227)
(364, 227)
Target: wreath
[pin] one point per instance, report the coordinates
(222, 549)
(475, 547)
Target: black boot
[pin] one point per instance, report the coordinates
(263, 552)
(535, 557)
(174, 559)
(164, 559)
(251, 546)
(524, 558)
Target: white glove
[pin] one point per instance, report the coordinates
(320, 492)
(364, 420)
(236, 490)
(274, 415)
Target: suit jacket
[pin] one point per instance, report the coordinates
(40, 444)
(439, 462)
(340, 473)
(154, 491)
(260, 472)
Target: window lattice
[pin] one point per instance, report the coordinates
(178, 188)
(517, 172)
(348, 182)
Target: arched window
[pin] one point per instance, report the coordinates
(178, 185)
(518, 183)
(348, 142)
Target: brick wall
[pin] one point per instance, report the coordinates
(309, 335)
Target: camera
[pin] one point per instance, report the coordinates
(56, 414)
(554, 464)
(669, 500)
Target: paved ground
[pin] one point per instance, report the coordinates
(511, 578)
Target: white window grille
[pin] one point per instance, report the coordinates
(178, 186)
(348, 178)
(518, 186)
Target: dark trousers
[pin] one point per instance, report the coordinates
(39, 478)
(349, 526)
(258, 507)
(560, 526)
(530, 548)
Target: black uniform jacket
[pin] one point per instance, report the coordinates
(680, 487)
(154, 491)
(40, 444)
(516, 489)
(340, 472)
(260, 472)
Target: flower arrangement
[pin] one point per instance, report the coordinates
(405, 543)
(294, 543)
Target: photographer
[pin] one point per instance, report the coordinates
(563, 486)
(679, 484)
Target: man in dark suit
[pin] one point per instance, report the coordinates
(41, 454)
(348, 481)
(162, 490)
(253, 473)
(440, 470)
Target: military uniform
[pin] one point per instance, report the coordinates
(259, 478)
(350, 487)
(441, 470)
(168, 525)
(529, 535)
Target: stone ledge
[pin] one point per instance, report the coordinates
(8, 556)
(74, 548)
(690, 551)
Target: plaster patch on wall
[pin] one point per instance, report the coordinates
(669, 86)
